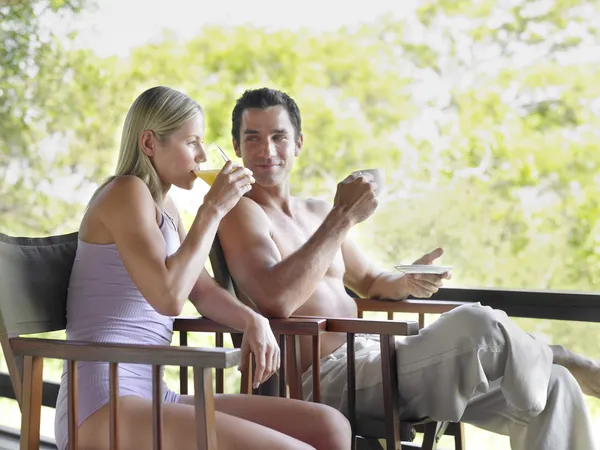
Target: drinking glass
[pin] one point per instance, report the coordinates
(210, 168)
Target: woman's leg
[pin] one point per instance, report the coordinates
(247, 429)
(320, 426)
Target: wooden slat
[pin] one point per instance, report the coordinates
(544, 304)
(201, 325)
(390, 390)
(294, 367)
(205, 409)
(302, 325)
(157, 400)
(31, 402)
(396, 328)
(421, 320)
(351, 374)
(219, 372)
(183, 370)
(72, 388)
(431, 429)
(113, 405)
(14, 365)
(282, 366)
(390, 315)
(127, 353)
(246, 379)
(316, 368)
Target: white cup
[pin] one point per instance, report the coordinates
(378, 175)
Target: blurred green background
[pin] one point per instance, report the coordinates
(483, 113)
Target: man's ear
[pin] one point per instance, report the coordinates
(236, 148)
(148, 142)
(299, 145)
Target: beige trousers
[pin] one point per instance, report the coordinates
(472, 365)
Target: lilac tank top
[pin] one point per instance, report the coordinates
(104, 305)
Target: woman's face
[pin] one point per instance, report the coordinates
(176, 157)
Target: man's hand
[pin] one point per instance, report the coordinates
(422, 285)
(356, 197)
(259, 340)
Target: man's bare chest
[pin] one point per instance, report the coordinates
(291, 233)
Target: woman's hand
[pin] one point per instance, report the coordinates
(259, 340)
(232, 182)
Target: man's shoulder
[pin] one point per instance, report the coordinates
(246, 213)
(247, 206)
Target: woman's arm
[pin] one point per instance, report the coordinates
(128, 212)
(217, 304)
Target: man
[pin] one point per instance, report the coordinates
(292, 256)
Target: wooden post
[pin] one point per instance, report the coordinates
(204, 402)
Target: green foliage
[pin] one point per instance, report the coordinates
(34, 68)
(484, 115)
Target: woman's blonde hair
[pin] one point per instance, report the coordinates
(159, 109)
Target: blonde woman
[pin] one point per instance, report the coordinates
(134, 269)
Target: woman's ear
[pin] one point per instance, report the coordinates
(299, 145)
(148, 142)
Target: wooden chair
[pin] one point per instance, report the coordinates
(432, 431)
(393, 431)
(286, 330)
(34, 276)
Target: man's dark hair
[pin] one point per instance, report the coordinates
(264, 98)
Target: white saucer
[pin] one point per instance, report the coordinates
(423, 268)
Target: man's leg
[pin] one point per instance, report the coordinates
(585, 370)
(474, 355)
(563, 424)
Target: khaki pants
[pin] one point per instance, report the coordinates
(471, 365)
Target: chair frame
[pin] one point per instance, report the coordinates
(283, 329)
(432, 431)
(41, 311)
(34, 350)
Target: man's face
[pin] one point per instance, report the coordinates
(268, 145)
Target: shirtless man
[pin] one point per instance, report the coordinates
(292, 256)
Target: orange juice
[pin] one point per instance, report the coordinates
(207, 175)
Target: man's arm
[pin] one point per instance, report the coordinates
(369, 282)
(278, 286)
(366, 279)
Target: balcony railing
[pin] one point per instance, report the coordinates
(570, 306)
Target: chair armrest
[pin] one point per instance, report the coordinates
(201, 325)
(382, 327)
(303, 326)
(299, 326)
(163, 355)
(411, 305)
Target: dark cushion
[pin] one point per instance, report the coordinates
(34, 278)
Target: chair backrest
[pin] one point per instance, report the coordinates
(219, 267)
(223, 276)
(34, 278)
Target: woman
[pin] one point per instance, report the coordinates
(134, 269)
